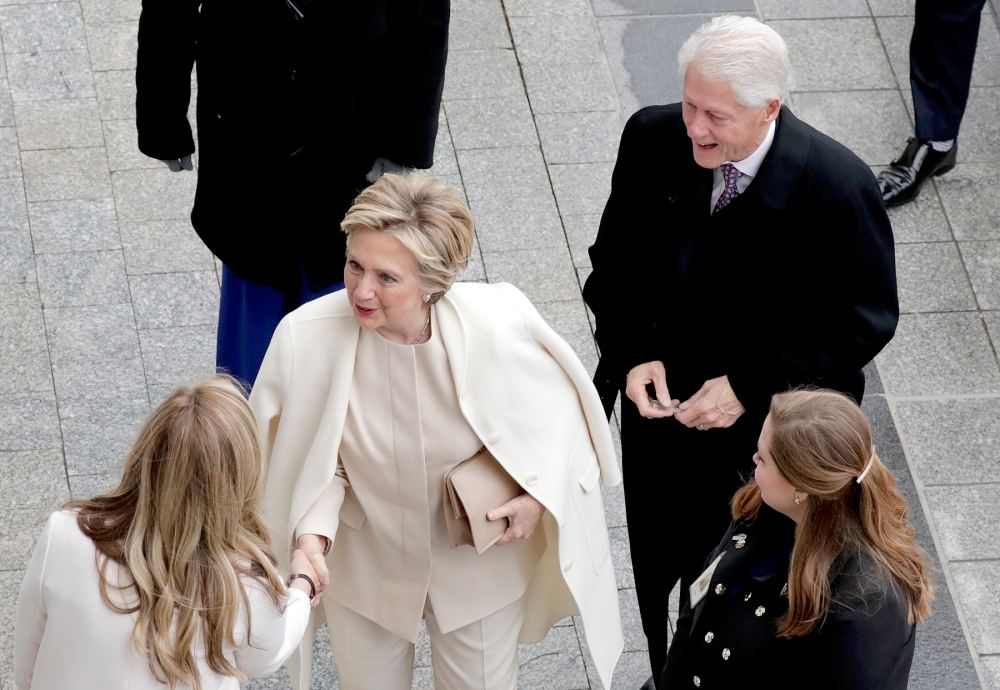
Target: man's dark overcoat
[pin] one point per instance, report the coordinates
(792, 284)
(291, 116)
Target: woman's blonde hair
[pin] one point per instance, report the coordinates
(426, 215)
(185, 523)
(821, 442)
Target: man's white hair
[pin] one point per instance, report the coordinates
(746, 54)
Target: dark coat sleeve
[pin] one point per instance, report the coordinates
(167, 42)
(857, 308)
(614, 291)
(414, 64)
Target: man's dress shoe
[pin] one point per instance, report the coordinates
(901, 182)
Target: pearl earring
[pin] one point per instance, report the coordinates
(798, 499)
(427, 297)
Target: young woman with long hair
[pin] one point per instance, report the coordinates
(818, 582)
(168, 579)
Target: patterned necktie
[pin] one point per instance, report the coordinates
(731, 176)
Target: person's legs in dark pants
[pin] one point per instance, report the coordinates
(651, 514)
(248, 314)
(678, 483)
(942, 53)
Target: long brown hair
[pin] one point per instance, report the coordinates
(185, 524)
(821, 442)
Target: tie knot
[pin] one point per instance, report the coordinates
(730, 174)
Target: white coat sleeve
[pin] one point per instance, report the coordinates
(29, 624)
(267, 401)
(274, 634)
(323, 516)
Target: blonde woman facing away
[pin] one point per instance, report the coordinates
(818, 583)
(368, 397)
(168, 579)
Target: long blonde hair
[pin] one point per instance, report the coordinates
(185, 523)
(821, 443)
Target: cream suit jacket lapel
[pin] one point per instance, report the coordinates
(453, 334)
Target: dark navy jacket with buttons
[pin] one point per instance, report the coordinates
(727, 640)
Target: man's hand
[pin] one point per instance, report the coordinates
(313, 547)
(382, 166)
(523, 512)
(635, 388)
(714, 406)
(178, 164)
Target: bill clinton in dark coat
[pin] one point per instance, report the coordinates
(741, 253)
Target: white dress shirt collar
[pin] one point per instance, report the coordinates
(748, 166)
(751, 164)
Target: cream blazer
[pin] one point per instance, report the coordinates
(67, 637)
(528, 398)
(404, 417)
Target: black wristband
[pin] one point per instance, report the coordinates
(303, 576)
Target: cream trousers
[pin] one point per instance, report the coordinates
(479, 656)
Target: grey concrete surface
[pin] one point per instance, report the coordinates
(108, 298)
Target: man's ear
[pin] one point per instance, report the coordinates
(772, 109)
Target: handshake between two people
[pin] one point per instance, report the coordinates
(521, 512)
(313, 567)
(713, 406)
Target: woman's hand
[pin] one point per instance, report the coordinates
(313, 548)
(300, 565)
(523, 513)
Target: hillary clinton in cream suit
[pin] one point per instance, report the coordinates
(370, 479)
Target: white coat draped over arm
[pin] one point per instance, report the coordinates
(527, 397)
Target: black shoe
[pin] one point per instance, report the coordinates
(901, 182)
(650, 684)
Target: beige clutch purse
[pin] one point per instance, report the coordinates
(471, 489)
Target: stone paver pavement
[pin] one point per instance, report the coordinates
(108, 299)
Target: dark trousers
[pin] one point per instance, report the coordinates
(678, 484)
(248, 314)
(942, 50)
